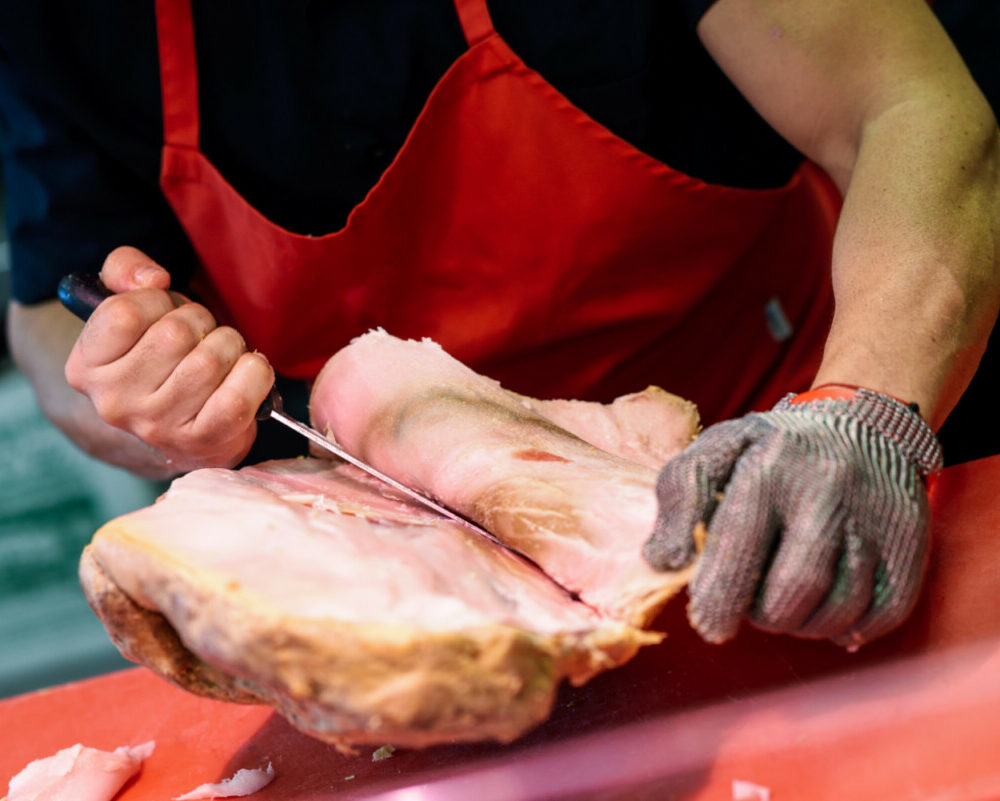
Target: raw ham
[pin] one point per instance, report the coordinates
(363, 617)
(532, 472)
(78, 773)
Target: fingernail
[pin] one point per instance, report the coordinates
(147, 274)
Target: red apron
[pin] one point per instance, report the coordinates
(531, 242)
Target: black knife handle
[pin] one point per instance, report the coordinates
(272, 401)
(81, 293)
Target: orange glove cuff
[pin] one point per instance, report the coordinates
(842, 392)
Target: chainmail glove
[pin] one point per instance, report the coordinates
(816, 517)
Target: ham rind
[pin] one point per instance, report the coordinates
(581, 512)
(361, 617)
(78, 773)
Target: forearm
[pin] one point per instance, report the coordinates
(877, 95)
(916, 260)
(41, 337)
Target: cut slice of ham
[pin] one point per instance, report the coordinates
(366, 619)
(78, 773)
(244, 782)
(550, 478)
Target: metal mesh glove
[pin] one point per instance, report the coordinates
(816, 514)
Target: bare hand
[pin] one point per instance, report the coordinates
(159, 366)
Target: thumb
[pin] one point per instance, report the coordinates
(688, 490)
(127, 268)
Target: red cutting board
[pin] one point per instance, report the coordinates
(915, 715)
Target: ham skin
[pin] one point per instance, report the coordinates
(363, 617)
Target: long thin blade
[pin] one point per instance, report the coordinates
(314, 436)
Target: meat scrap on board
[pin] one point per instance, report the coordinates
(365, 618)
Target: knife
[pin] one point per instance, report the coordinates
(81, 293)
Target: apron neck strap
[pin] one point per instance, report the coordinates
(178, 72)
(475, 19)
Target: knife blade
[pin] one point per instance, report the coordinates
(271, 409)
(81, 293)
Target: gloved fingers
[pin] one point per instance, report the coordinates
(688, 489)
(738, 544)
(903, 519)
(894, 594)
(851, 593)
(805, 564)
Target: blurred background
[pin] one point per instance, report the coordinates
(52, 499)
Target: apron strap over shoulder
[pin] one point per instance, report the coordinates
(178, 72)
(475, 19)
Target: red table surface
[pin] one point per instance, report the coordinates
(915, 715)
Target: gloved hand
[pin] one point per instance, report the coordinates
(816, 514)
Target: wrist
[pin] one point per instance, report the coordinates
(837, 391)
(893, 418)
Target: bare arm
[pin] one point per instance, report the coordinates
(817, 520)
(876, 94)
(41, 337)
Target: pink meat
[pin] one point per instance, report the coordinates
(78, 774)
(345, 549)
(359, 615)
(582, 513)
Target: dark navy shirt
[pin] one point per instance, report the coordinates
(304, 103)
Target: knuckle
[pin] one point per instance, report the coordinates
(205, 362)
(678, 474)
(147, 429)
(217, 429)
(112, 405)
(198, 317)
(75, 373)
(119, 316)
(176, 333)
(239, 408)
(112, 411)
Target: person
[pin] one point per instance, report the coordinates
(573, 200)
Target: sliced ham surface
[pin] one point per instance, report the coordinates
(367, 619)
(358, 615)
(549, 478)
